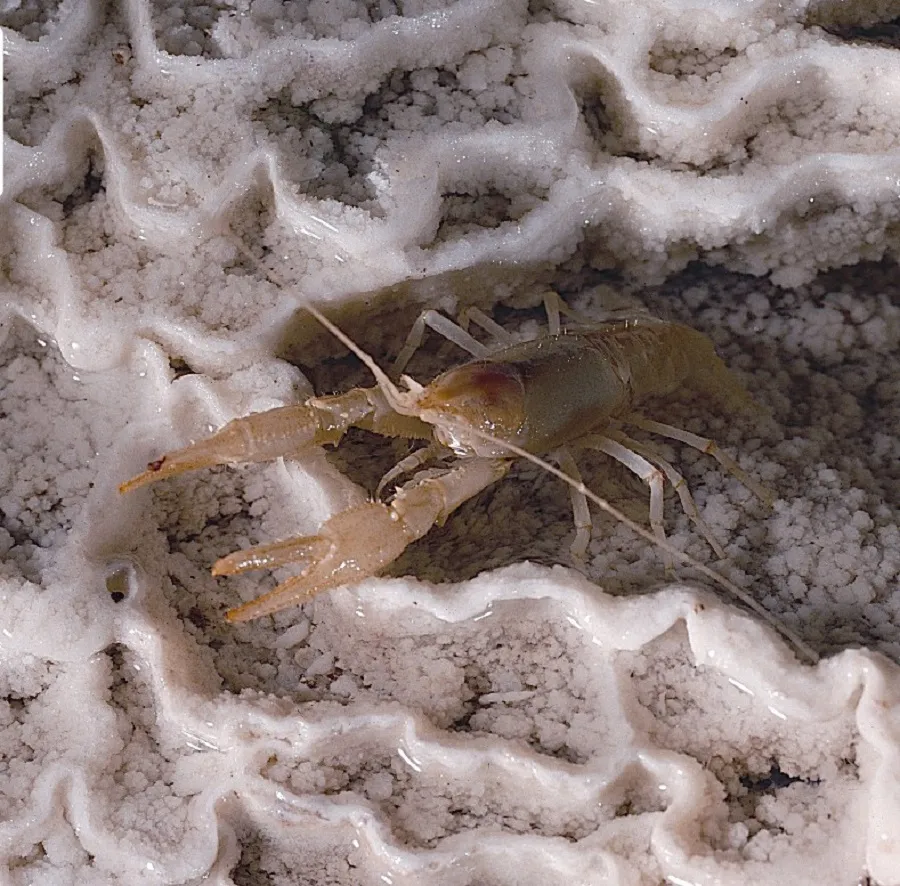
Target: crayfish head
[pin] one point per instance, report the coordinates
(475, 408)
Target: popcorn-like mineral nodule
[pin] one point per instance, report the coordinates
(528, 725)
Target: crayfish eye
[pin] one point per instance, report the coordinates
(485, 396)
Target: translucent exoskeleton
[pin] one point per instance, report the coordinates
(578, 386)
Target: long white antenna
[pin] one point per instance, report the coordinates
(810, 654)
(403, 402)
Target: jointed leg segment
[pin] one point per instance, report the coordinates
(408, 465)
(679, 484)
(707, 447)
(645, 461)
(479, 318)
(638, 465)
(581, 514)
(445, 327)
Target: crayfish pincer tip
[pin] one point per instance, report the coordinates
(237, 615)
(233, 564)
(152, 473)
(283, 597)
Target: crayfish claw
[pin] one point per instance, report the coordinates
(262, 436)
(351, 546)
(361, 541)
(191, 458)
(271, 556)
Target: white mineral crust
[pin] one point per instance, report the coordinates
(487, 715)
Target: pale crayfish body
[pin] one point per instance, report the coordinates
(571, 389)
